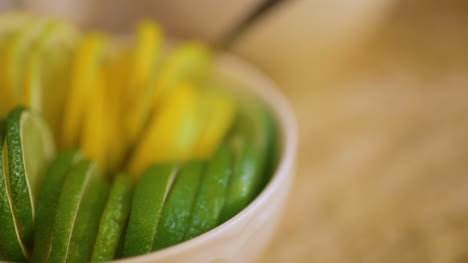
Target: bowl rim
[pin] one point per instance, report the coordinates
(269, 93)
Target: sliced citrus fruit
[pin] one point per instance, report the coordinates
(30, 148)
(95, 138)
(17, 49)
(140, 89)
(9, 23)
(176, 212)
(113, 219)
(47, 202)
(79, 208)
(245, 180)
(211, 196)
(150, 195)
(218, 111)
(172, 131)
(253, 140)
(189, 62)
(85, 76)
(11, 246)
(47, 71)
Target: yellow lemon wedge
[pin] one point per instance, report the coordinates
(16, 49)
(189, 62)
(47, 71)
(95, 139)
(85, 72)
(9, 23)
(218, 112)
(172, 132)
(140, 89)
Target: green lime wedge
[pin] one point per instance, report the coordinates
(176, 211)
(11, 247)
(47, 202)
(211, 196)
(147, 204)
(114, 219)
(30, 149)
(253, 142)
(246, 177)
(79, 209)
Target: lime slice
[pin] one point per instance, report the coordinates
(246, 177)
(173, 131)
(210, 199)
(176, 212)
(47, 71)
(79, 209)
(11, 246)
(114, 219)
(85, 77)
(30, 148)
(253, 141)
(147, 204)
(47, 202)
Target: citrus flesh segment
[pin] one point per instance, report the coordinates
(47, 202)
(85, 76)
(148, 200)
(113, 219)
(30, 149)
(176, 212)
(172, 131)
(211, 196)
(78, 211)
(12, 248)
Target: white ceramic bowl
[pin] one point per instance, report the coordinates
(244, 237)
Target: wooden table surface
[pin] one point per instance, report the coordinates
(383, 160)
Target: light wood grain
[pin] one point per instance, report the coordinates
(383, 164)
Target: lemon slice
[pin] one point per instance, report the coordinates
(12, 248)
(172, 132)
(9, 23)
(218, 111)
(85, 77)
(30, 148)
(17, 49)
(47, 71)
(189, 62)
(142, 74)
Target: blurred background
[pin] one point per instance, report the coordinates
(380, 89)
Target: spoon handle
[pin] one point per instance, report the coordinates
(233, 34)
